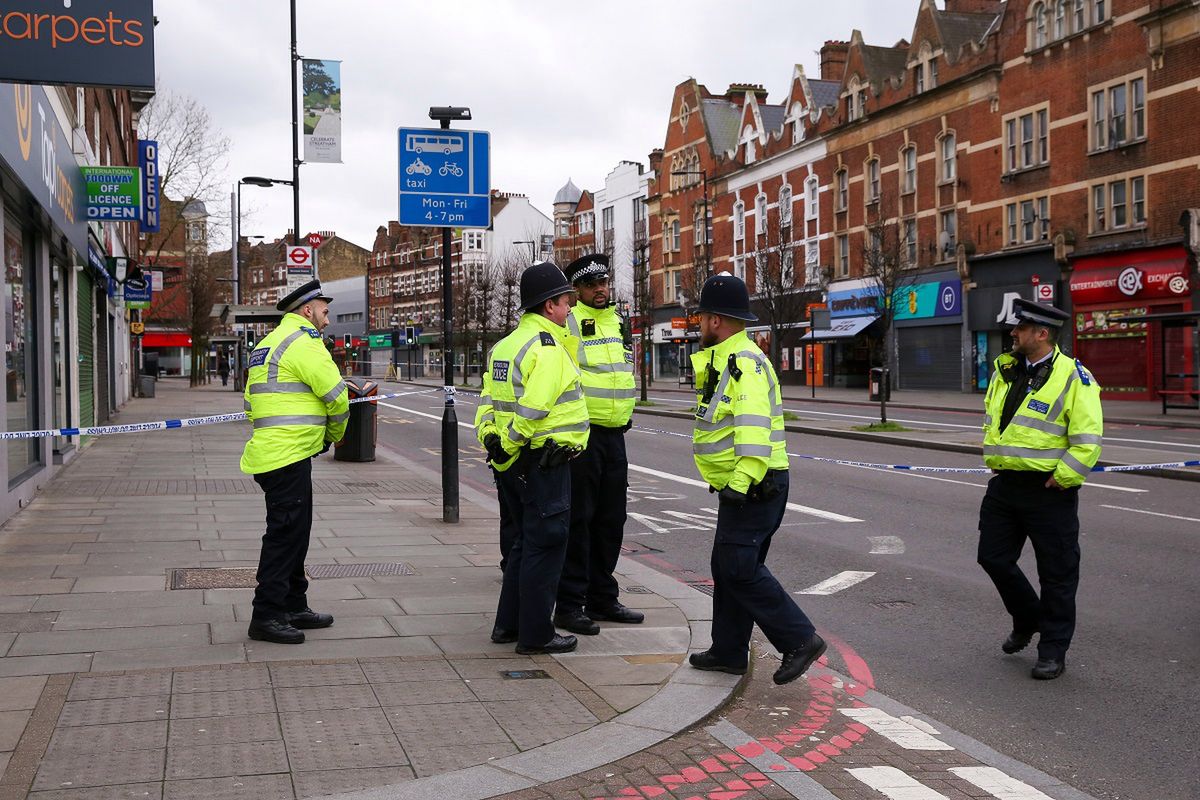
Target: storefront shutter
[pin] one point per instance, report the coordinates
(100, 376)
(930, 357)
(86, 312)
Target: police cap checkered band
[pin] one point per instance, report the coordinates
(587, 268)
(1039, 314)
(305, 294)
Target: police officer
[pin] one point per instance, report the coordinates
(600, 475)
(1042, 436)
(298, 405)
(738, 445)
(532, 420)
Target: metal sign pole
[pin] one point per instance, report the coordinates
(449, 417)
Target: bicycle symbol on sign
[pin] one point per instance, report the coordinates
(450, 168)
(419, 166)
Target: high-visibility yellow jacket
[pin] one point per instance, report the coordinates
(295, 397)
(605, 364)
(531, 390)
(738, 433)
(1057, 428)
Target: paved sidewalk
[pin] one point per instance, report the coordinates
(113, 684)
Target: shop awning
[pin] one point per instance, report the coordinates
(841, 328)
(161, 339)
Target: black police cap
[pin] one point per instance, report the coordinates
(1039, 314)
(726, 295)
(590, 267)
(305, 294)
(541, 282)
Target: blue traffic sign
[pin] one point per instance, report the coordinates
(445, 178)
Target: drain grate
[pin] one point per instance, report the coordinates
(636, 590)
(707, 588)
(214, 578)
(523, 674)
(889, 604)
(319, 571)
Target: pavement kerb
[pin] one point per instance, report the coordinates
(687, 697)
(926, 444)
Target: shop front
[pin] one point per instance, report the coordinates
(172, 351)
(929, 334)
(1128, 357)
(674, 341)
(997, 280)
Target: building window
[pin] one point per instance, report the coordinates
(843, 189)
(1060, 19)
(473, 241)
(748, 138)
(785, 206)
(873, 180)
(856, 100)
(949, 161)
(1039, 25)
(812, 262)
(195, 231)
(671, 285)
(739, 267)
(1080, 15)
(1118, 204)
(676, 238)
(909, 160)
(843, 255)
(739, 221)
(910, 242)
(919, 75)
(812, 196)
(1100, 12)
(933, 72)
(698, 227)
(1118, 114)
(948, 235)
(760, 215)
(1028, 221)
(1027, 140)
(606, 218)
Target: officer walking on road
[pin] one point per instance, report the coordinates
(298, 404)
(587, 590)
(532, 420)
(1042, 436)
(738, 445)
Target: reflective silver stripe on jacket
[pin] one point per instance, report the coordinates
(760, 450)
(618, 367)
(987, 419)
(756, 420)
(290, 419)
(277, 356)
(576, 427)
(722, 383)
(573, 329)
(610, 394)
(333, 393)
(779, 435)
(1057, 407)
(1075, 465)
(530, 413)
(570, 395)
(1022, 452)
(518, 384)
(515, 435)
(345, 415)
(1045, 426)
(487, 416)
(283, 387)
(712, 448)
(761, 360)
(1085, 438)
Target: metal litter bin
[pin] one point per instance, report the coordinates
(362, 429)
(879, 382)
(146, 385)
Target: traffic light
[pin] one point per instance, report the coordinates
(249, 339)
(347, 340)
(410, 335)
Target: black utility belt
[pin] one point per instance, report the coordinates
(608, 428)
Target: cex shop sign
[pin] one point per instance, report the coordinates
(95, 43)
(1101, 281)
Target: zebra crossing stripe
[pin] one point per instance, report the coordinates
(895, 784)
(997, 784)
(908, 736)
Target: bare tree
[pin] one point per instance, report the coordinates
(776, 278)
(643, 300)
(890, 267)
(192, 160)
(508, 281)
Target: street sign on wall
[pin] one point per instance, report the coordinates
(148, 162)
(113, 193)
(300, 266)
(444, 178)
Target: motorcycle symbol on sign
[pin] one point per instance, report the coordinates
(450, 168)
(419, 166)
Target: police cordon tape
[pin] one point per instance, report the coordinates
(166, 424)
(216, 419)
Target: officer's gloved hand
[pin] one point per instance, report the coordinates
(732, 496)
(325, 449)
(495, 450)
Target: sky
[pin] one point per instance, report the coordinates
(566, 89)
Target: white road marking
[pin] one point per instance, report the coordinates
(922, 724)
(886, 545)
(908, 736)
(999, 785)
(1152, 513)
(436, 417)
(843, 580)
(895, 784)
(816, 512)
(1108, 439)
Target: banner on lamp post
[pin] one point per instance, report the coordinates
(321, 83)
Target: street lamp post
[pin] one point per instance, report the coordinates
(295, 182)
(249, 180)
(395, 322)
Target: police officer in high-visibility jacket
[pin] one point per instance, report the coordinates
(1042, 436)
(298, 405)
(738, 445)
(532, 421)
(600, 476)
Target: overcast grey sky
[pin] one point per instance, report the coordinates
(566, 89)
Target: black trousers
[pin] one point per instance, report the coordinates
(599, 485)
(1016, 507)
(745, 592)
(281, 582)
(539, 502)
(508, 525)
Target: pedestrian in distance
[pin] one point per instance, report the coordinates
(739, 448)
(223, 370)
(298, 405)
(532, 421)
(1042, 435)
(587, 590)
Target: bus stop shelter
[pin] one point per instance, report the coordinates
(1178, 384)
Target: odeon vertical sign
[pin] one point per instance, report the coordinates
(106, 43)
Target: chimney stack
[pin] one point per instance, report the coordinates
(834, 55)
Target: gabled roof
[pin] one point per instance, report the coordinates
(722, 119)
(882, 63)
(957, 29)
(825, 93)
(772, 117)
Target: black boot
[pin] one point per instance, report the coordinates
(310, 619)
(559, 644)
(709, 663)
(617, 613)
(274, 630)
(576, 622)
(795, 662)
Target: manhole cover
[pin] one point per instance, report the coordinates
(214, 578)
(707, 588)
(887, 604)
(637, 590)
(523, 674)
(319, 571)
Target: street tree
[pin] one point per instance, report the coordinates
(643, 301)
(782, 291)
